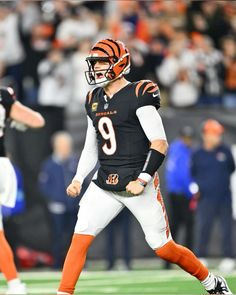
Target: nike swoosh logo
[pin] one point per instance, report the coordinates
(155, 95)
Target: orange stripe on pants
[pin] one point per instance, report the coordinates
(160, 200)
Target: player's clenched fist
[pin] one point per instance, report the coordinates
(73, 190)
(134, 187)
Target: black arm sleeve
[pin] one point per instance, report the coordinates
(153, 162)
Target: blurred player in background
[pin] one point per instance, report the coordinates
(179, 185)
(212, 167)
(56, 172)
(21, 117)
(125, 133)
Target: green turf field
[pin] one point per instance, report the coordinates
(141, 282)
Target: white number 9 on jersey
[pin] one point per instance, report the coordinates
(107, 131)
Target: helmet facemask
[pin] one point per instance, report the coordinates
(101, 76)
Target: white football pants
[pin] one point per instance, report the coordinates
(8, 183)
(98, 207)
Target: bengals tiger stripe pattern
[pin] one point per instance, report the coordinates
(149, 87)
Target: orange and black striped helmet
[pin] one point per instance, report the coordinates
(115, 53)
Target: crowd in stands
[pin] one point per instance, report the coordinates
(188, 47)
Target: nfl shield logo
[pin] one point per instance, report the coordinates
(106, 106)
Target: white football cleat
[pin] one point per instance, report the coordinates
(221, 287)
(19, 289)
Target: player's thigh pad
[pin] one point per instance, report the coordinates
(97, 208)
(150, 211)
(8, 183)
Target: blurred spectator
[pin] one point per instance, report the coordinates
(55, 83)
(37, 43)
(155, 56)
(229, 51)
(217, 24)
(11, 50)
(210, 70)
(157, 32)
(119, 227)
(183, 92)
(168, 70)
(55, 175)
(29, 15)
(212, 166)
(79, 66)
(138, 52)
(180, 187)
(207, 17)
(55, 11)
(81, 24)
(55, 80)
(177, 72)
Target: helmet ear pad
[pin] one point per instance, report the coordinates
(120, 66)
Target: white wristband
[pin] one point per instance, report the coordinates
(145, 176)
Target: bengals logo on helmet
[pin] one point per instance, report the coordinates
(113, 52)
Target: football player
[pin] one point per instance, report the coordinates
(21, 117)
(126, 135)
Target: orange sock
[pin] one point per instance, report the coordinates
(7, 264)
(74, 262)
(184, 258)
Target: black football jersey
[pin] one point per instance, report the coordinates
(6, 102)
(122, 143)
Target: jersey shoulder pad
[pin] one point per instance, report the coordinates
(89, 103)
(147, 93)
(90, 95)
(145, 86)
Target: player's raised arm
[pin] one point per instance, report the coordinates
(87, 162)
(20, 115)
(25, 115)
